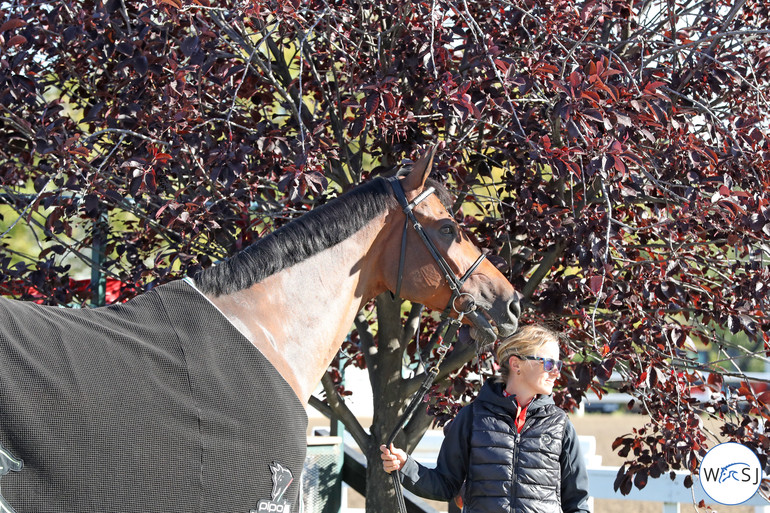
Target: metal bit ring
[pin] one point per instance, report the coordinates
(471, 303)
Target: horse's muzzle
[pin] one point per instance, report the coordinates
(486, 329)
(481, 330)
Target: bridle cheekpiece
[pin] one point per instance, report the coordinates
(455, 283)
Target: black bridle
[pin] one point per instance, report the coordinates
(455, 284)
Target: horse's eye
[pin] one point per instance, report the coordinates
(447, 229)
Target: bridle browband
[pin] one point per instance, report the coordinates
(455, 283)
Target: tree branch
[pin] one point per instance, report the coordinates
(736, 7)
(543, 268)
(460, 354)
(366, 341)
(343, 413)
(291, 100)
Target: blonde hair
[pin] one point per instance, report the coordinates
(525, 342)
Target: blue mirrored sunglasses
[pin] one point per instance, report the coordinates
(548, 363)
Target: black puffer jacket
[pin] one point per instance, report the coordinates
(538, 470)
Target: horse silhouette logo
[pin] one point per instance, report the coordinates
(731, 471)
(282, 478)
(7, 463)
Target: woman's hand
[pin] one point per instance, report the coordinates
(392, 459)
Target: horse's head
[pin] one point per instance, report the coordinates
(464, 282)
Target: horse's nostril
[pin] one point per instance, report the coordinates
(514, 307)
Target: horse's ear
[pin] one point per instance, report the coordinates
(416, 178)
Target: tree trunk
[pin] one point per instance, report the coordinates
(388, 403)
(390, 396)
(380, 495)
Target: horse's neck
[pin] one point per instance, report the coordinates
(299, 317)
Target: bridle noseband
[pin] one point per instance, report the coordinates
(455, 283)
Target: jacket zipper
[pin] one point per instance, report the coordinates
(515, 474)
(516, 440)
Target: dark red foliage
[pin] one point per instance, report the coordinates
(613, 157)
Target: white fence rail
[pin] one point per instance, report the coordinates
(672, 494)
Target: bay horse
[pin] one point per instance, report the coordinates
(191, 397)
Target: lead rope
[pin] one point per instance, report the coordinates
(442, 347)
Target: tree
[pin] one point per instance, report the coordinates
(612, 156)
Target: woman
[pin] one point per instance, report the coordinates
(514, 449)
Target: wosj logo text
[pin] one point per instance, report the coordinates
(730, 473)
(735, 472)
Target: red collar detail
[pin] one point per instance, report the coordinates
(521, 416)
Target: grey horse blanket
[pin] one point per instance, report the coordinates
(154, 405)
